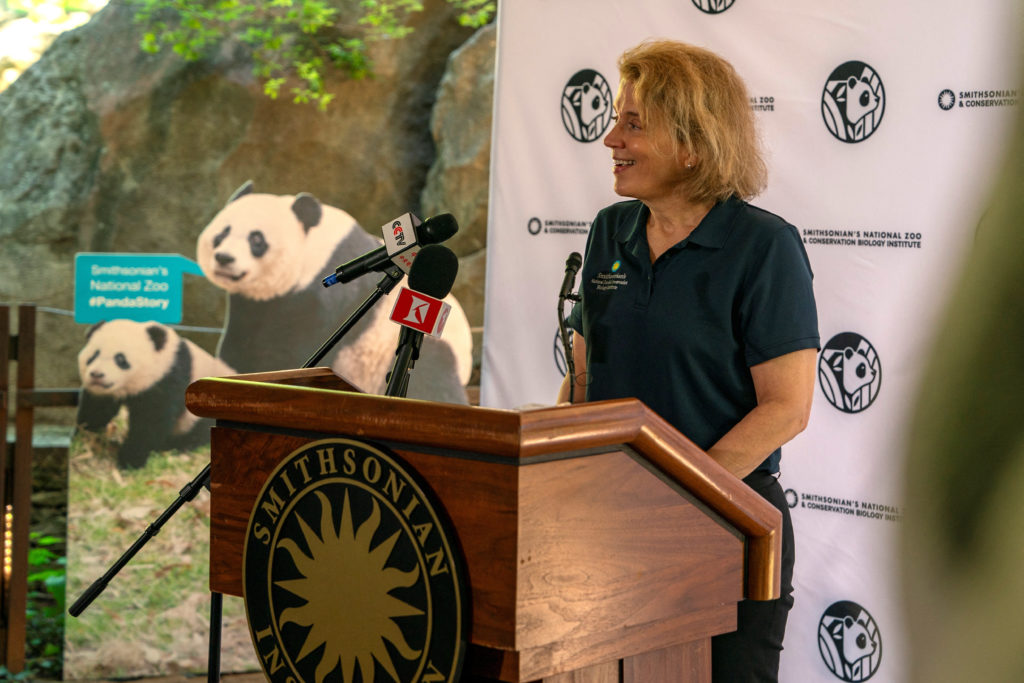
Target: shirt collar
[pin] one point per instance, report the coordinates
(713, 230)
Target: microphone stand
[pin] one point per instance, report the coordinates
(392, 276)
(406, 355)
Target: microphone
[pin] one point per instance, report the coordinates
(420, 310)
(572, 266)
(402, 240)
(435, 275)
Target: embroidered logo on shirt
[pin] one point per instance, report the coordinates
(604, 282)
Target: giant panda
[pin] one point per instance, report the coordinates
(271, 253)
(146, 367)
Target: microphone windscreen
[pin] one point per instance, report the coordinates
(574, 261)
(437, 229)
(433, 270)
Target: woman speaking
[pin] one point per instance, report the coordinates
(697, 303)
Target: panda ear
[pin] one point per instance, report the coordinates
(307, 209)
(158, 335)
(244, 189)
(93, 329)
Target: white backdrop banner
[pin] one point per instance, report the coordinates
(883, 124)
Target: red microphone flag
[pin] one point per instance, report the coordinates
(420, 312)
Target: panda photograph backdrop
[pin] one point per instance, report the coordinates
(884, 125)
(138, 445)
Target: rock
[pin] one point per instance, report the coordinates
(458, 181)
(461, 126)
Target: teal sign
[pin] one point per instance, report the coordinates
(139, 287)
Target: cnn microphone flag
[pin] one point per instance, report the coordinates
(420, 312)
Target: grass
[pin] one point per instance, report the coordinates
(153, 616)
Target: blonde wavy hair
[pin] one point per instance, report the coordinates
(697, 97)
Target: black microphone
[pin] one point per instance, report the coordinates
(432, 273)
(435, 274)
(400, 249)
(572, 266)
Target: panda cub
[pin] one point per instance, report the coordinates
(146, 367)
(271, 253)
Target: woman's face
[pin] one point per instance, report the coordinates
(641, 169)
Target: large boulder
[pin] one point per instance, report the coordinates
(107, 148)
(458, 180)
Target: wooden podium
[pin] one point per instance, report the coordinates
(600, 544)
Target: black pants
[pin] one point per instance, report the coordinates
(751, 652)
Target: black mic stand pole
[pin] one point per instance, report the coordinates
(392, 276)
(185, 495)
(406, 355)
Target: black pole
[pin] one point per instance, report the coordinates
(406, 355)
(185, 495)
(392, 276)
(213, 660)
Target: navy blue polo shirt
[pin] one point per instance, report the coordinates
(681, 334)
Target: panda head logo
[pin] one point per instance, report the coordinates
(853, 102)
(124, 358)
(849, 641)
(263, 246)
(586, 105)
(854, 368)
(713, 6)
(849, 372)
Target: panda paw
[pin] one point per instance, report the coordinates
(132, 458)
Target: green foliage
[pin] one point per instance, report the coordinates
(293, 42)
(45, 610)
(475, 13)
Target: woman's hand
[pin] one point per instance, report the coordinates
(579, 356)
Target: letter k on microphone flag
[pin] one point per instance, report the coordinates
(420, 312)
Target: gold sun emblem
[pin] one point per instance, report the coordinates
(346, 585)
